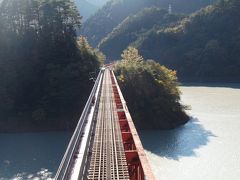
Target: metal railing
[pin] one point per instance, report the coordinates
(65, 166)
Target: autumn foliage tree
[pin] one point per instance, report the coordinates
(151, 91)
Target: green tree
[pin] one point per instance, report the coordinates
(43, 72)
(151, 91)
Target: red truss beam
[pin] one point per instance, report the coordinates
(138, 166)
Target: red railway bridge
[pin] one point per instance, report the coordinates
(105, 144)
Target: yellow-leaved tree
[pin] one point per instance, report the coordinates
(151, 91)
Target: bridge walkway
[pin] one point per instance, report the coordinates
(108, 159)
(105, 144)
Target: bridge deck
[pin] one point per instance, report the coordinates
(105, 143)
(108, 159)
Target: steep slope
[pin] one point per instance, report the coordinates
(86, 8)
(202, 47)
(98, 3)
(134, 28)
(115, 11)
(43, 70)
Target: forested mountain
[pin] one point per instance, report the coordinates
(115, 11)
(86, 8)
(98, 3)
(203, 47)
(43, 69)
(134, 28)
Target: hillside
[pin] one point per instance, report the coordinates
(98, 3)
(86, 8)
(43, 68)
(134, 28)
(202, 47)
(115, 11)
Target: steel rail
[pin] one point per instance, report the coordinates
(65, 166)
(99, 135)
(108, 158)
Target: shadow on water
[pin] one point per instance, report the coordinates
(177, 143)
(217, 85)
(31, 155)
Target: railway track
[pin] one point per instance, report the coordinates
(107, 159)
(105, 144)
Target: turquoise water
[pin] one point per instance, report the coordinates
(31, 155)
(206, 148)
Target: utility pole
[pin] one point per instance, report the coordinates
(170, 9)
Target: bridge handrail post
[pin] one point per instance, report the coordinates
(71, 149)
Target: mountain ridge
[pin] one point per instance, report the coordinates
(114, 12)
(203, 47)
(131, 29)
(86, 8)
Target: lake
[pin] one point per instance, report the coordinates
(206, 148)
(31, 155)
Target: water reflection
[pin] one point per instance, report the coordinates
(213, 85)
(181, 142)
(43, 174)
(31, 155)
